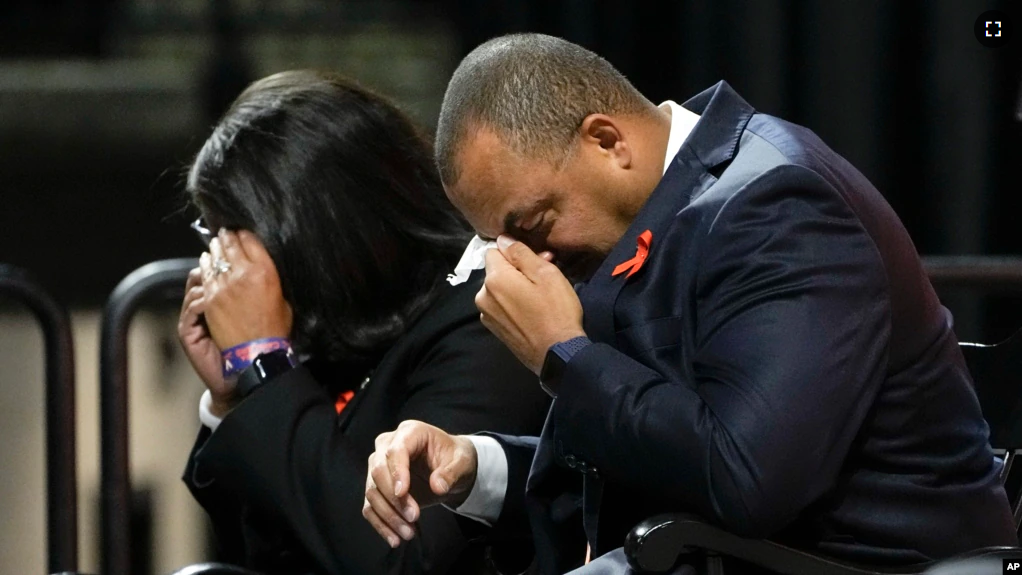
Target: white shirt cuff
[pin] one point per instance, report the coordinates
(206, 415)
(486, 500)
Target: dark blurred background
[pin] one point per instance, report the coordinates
(104, 102)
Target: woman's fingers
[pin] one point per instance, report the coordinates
(231, 247)
(193, 306)
(206, 267)
(196, 308)
(221, 265)
(253, 248)
(193, 290)
(194, 278)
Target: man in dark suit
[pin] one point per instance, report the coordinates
(759, 345)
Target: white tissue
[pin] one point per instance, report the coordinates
(474, 258)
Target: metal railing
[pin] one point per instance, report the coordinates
(992, 273)
(166, 277)
(61, 478)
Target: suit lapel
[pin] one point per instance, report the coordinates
(600, 294)
(713, 141)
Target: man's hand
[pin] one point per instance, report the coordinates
(527, 302)
(414, 467)
(245, 302)
(202, 352)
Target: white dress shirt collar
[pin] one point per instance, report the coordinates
(682, 123)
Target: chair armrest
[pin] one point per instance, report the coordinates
(214, 569)
(655, 545)
(986, 561)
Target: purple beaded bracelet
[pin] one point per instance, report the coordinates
(237, 358)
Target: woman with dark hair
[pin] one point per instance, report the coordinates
(329, 242)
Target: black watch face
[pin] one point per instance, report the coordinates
(248, 380)
(551, 373)
(272, 363)
(264, 368)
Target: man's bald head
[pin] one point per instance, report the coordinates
(532, 90)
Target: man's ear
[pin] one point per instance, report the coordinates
(605, 134)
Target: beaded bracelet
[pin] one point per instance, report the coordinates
(237, 358)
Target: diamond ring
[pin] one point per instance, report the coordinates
(221, 266)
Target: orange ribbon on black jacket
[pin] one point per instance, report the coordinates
(641, 251)
(342, 401)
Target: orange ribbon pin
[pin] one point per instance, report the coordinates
(641, 251)
(342, 401)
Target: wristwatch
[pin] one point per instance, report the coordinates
(264, 368)
(557, 358)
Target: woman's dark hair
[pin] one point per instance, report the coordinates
(342, 190)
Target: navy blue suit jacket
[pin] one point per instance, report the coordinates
(780, 365)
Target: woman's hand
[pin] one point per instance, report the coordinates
(202, 352)
(243, 300)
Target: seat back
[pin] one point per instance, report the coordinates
(213, 569)
(61, 469)
(997, 373)
(164, 278)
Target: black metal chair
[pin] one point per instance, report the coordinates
(656, 545)
(61, 482)
(213, 569)
(159, 280)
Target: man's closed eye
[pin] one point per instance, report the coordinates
(532, 223)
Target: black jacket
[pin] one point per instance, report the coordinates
(283, 477)
(780, 365)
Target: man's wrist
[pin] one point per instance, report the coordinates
(455, 500)
(556, 362)
(572, 343)
(485, 498)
